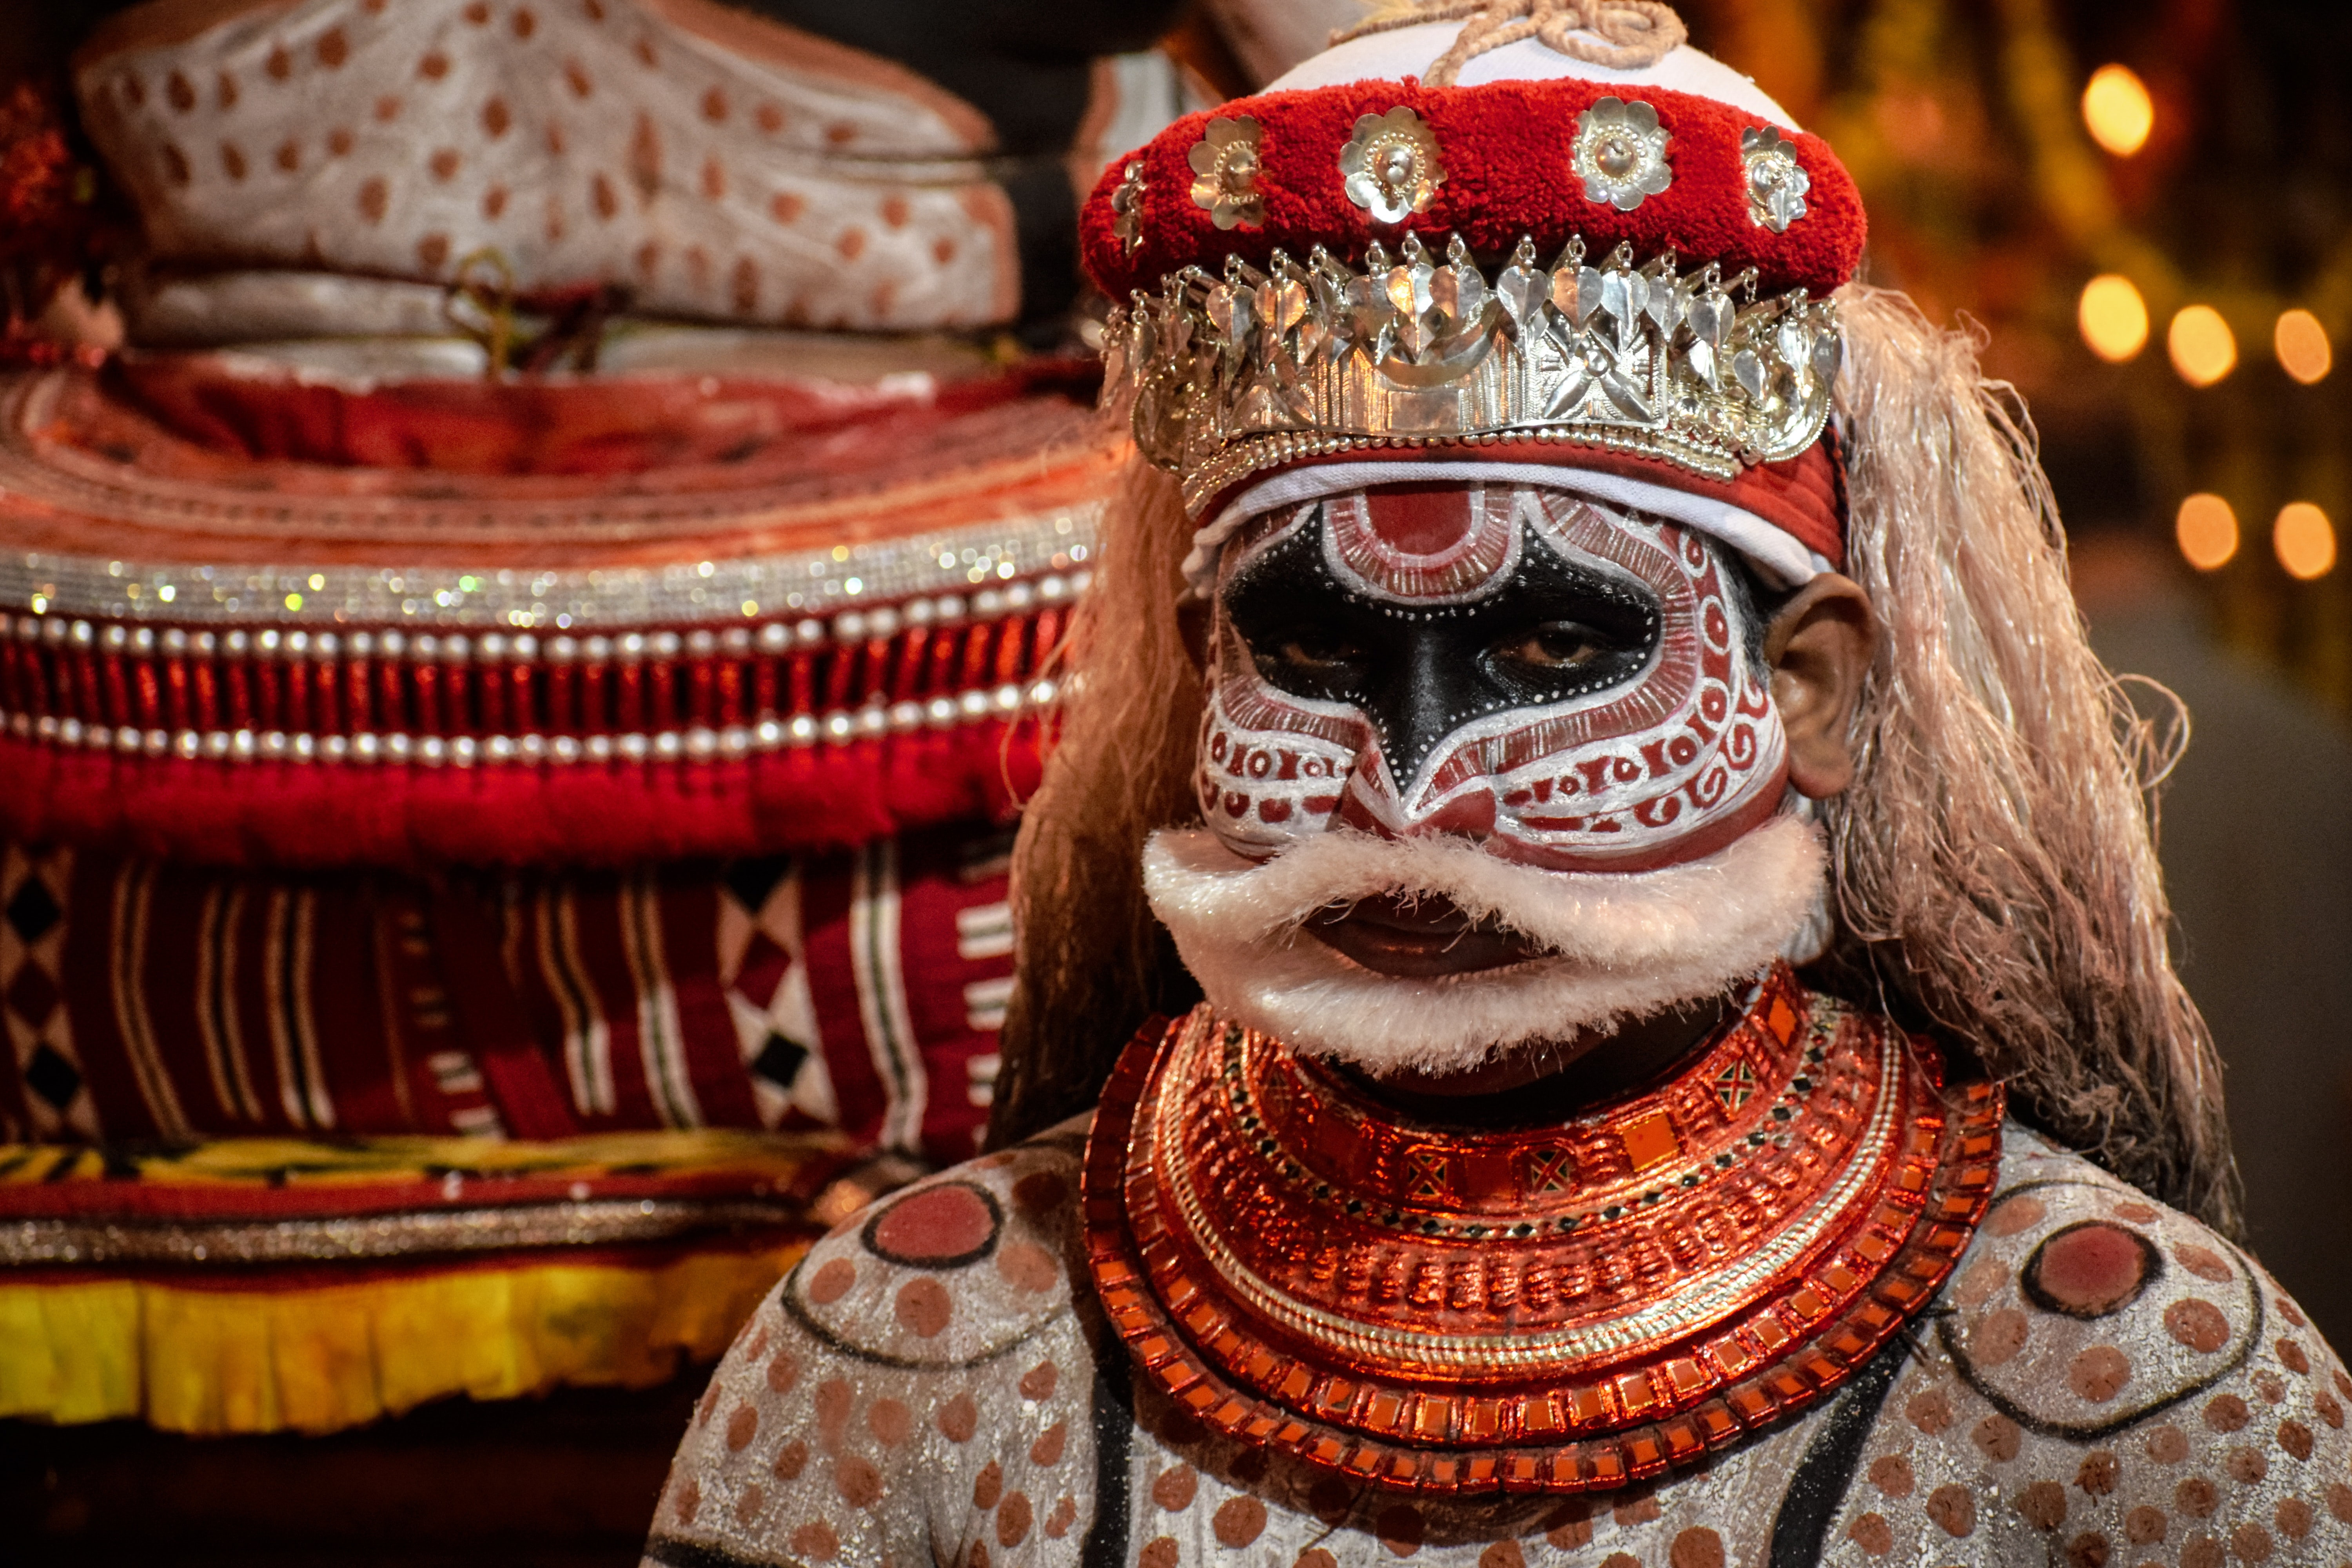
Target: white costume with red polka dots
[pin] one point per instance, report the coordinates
(717, 164)
(933, 1385)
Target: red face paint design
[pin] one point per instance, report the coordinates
(1667, 752)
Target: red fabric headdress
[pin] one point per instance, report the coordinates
(1620, 275)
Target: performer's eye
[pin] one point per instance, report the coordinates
(1322, 653)
(1554, 646)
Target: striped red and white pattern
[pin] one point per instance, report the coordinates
(244, 694)
(858, 989)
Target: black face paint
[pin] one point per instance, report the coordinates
(1551, 632)
(1566, 684)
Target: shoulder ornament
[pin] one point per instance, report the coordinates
(952, 1271)
(2084, 1305)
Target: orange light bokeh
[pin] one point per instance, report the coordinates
(2112, 318)
(2207, 530)
(2117, 110)
(2203, 348)
(2302, 345)
(2305, 540)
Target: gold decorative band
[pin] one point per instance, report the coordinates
(119, 1242)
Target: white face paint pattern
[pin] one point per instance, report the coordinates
(1666, 766)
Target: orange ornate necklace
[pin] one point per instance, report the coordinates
(1558, 1309)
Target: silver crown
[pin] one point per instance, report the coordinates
(1231, 376)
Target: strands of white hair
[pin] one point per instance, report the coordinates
(1613, 946)
(1996, 876)
(1093, 962)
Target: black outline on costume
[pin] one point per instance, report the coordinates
(674, 1552)
(960, 1260)
(1819, 1484)
(1114, 1423)
(789, 1299)
(2045, 1429)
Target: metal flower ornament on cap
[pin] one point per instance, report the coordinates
(1621, 153)
(1776, 183)
(1391, 166)
(1127, 205)
(1224, 164)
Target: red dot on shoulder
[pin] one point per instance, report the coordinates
(2089, 1271)
(833, 1281)
(953, 1221)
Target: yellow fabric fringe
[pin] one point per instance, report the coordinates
(211, 1361)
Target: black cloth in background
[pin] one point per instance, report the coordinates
(1024, 65)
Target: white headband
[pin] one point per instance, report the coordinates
(1783, 560)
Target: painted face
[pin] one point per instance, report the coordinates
(1572, 686)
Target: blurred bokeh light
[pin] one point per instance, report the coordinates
(2305, 539)
(2114, 317)
(2207, 530)
(2203, 348)
(2304, 351)
(2117, 109)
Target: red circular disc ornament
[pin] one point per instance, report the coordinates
(1557, 1308)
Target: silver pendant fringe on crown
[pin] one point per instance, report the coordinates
(1228, 376)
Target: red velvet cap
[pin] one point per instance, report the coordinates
(1506, 151)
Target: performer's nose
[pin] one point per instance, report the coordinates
(1428, 695)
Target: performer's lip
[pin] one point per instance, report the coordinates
(1418, 938)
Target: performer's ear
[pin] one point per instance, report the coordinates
(1819, 646)
(1192, 625)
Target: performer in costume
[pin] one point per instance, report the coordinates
(1689, 1072)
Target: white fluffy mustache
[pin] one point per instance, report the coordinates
(1618, 946)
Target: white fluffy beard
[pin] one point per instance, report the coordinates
(1619, 945)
